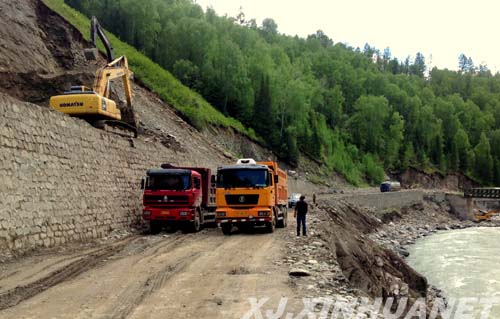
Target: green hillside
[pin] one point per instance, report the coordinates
(357, 111)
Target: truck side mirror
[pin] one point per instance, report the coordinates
(276, 179)
(143, 183)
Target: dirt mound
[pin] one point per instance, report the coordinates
(40, 54)
(38, 88)
(367, 266)
(33, 39)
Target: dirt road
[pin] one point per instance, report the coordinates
(204, 275)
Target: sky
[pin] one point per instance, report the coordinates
(440, 29)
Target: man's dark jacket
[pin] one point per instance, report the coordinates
(301, 207)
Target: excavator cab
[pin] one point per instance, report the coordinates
(85, 103)
(94, 105)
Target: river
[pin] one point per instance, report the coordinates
(464, 264)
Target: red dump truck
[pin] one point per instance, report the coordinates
(178, 196)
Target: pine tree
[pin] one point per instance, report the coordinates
(484, 160)
(462, 63)
(263, 116)
(418, 67)
(408, 156)
(437, 153)
(460, 158)
(394, 140)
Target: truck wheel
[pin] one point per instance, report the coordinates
(226, 229)
(271, 225)
(281, 223)
(154, 227)
(195, 226)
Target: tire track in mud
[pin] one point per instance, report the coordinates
(84, 263)
(48, 266)
(16, 295)
(135, 295)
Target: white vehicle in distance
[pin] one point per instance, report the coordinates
(293, 199)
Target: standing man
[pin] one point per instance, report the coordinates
(300, 214)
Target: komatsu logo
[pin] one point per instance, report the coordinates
(72, 104)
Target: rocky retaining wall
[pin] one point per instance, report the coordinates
(63, 180)
(386, 200)
(459, 206)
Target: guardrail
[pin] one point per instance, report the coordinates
(482, 193)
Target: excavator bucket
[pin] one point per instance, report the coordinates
(91, 54)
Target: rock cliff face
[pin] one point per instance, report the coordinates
(414, 178)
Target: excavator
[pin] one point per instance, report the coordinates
(94, 105)
(485, 215)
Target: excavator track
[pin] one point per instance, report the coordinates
(117, 127)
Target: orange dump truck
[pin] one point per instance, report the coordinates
(251, 194)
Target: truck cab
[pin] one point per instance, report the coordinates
(251, 194)
(178, 197)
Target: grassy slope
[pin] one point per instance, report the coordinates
(160, 81)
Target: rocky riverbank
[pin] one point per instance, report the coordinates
(339, 260)
(401, 228)
(354, 252)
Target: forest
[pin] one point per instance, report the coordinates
(358, 111)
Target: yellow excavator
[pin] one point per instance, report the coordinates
(94, 105)
(485, 215)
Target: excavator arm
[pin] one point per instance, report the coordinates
(113, 70)
(96, 29)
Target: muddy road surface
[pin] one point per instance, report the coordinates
(203, 275)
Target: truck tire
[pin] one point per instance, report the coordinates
(194, 226)
(154, 227)
(226, 229)
(282, 223)
(270, 226)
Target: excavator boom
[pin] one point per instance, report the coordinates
(113, 70)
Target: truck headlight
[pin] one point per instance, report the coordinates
(183, 213)
(221, 214)
(261, 214)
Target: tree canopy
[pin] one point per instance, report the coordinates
(357, 111)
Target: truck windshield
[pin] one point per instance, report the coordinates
(232, 178)
(169, 182)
